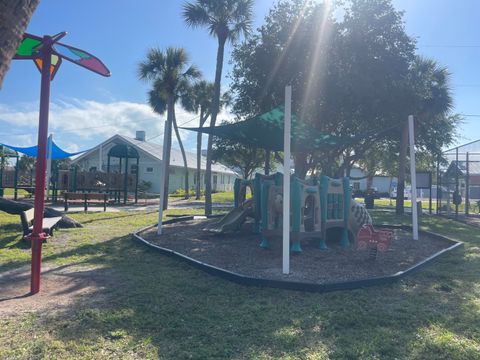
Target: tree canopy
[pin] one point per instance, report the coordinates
(352, 75)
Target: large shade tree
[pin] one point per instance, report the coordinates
(346, 74)
(431, 102)
(14, 18)
(352, 76)
(226, 20)
(170, 74)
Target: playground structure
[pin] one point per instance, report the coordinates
(11, 176)
(17, 179)
(316, 205)
(117, 185)
(72, 180)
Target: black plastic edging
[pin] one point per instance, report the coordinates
(295, 285)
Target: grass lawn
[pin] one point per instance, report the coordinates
(165, 309)
(219, 197)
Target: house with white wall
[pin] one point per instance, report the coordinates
(150, 164)
(358, 181)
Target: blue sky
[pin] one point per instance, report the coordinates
(87, 108)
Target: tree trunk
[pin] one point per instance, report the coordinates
(199, 156)
(370, 181)
(168, 139)
(185, 164)
(301, 165)
(267, 162)
(399, 208)
(16, 208)
(14, 18)
(213, 119)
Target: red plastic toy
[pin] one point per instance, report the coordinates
(375, 240)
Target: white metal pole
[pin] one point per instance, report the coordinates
(49, 164)
(286, 180)
(163, 171)
(413, 175)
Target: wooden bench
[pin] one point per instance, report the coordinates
(86, 199)
(27, 222)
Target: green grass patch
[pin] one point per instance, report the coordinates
(154, 307)
(219, 197)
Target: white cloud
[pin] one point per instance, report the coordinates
(79, 124)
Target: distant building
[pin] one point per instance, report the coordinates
(382, 184)
(150, 164)
(459, 168)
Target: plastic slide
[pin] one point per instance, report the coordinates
(230, 222)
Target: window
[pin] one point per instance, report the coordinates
(149, 169)
(356, 186)
(133, 169)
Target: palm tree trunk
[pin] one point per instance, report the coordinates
(215, 108)
(185, 165)
(168, 139)
(199, 157)
(14, 18)
(399, 208)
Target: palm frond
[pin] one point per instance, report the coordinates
(193, 72)
(195, 15)
(150, 68)
(157, 101)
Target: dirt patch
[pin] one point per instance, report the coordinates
(60, 286)
(241, 253)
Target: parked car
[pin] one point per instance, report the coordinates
(407, 194)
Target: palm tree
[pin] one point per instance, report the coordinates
(199, 99)
(431, 99)
(170, 74)
(225, 20)
(14, 17)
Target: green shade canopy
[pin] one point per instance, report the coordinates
(266, 131)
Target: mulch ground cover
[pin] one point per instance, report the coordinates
(240, 252)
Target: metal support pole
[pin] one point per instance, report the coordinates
(119, 189)
(413, 176)
(15, 181)
(456, 184)
(125, 185)
(439, 187)
(467, 187)
(286, 181)
(38, 236)
(430, 196)
(108, 176)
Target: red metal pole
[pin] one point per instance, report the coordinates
(38, 236)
